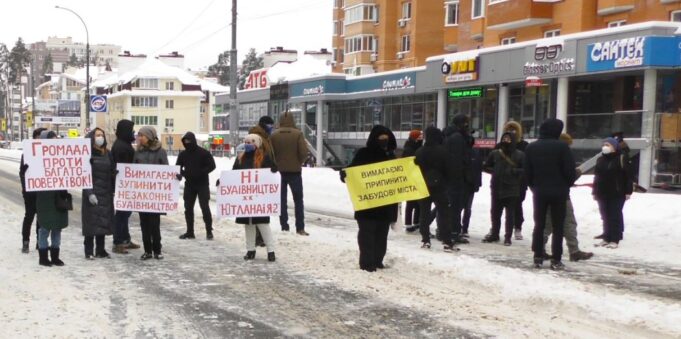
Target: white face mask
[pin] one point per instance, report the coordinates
(606, 149)
(99, 141)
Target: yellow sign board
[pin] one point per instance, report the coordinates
(73, 133)
(29, 119)
(385, 183)
(4, 124)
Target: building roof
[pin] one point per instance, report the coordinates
(156, 93)
(305, 67)
(212, 86)
(154, 68)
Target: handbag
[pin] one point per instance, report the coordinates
(63, 201)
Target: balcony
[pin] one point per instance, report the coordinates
(515, 14)
(608, 7)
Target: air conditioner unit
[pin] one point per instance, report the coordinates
(400, 56)
(374, 57)
(402, 22)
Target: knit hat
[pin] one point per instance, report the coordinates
(148, 132)
(414, 134)
(613, 142)
(254, 139)
(567, 138)
(265, 120)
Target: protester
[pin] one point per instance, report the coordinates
(506, 166)
(51, 220)
(29, 203)
(254, 156)
(150, 152)
(264, 129)
(374, 223)
(472, 187)
(411, 214)
(290, 149)
(195, 164)
(516, 129)
(550, 171)
(97, 211)
(437, 168)
(612, 186)
(459, 144)
(122, 152)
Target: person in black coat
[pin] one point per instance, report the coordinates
(437, 168)
(459, 144)
(411, 214)
(506, 166)
(122, 152)
(195, 165)
(612, 186)
(29, 203)
(374, 223)
(471, 188)
(516, 129)
(550, 172)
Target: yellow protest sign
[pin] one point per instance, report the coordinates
(385, 183)
(73, 133)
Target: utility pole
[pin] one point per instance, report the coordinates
(32, 100)
(21, 104)
(234, 110)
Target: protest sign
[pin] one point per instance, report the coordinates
(57, 164)
(385, 183)
(249, 193)
(147, 188)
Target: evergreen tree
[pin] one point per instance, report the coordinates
(251, 62)
(220, 69)
(73, 61)
(48, 66)
(19, 59)
(4, 70)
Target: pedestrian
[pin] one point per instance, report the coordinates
(411, 214)
(550, 171)
(290, 148)
(29, 203)
(570, 222)
(458, 142)
(122, 152)
(506, 166)
(612, 186)
(150, 152)
(52, 219)
(437, 168)
(264, 129)
(471, 188)
(516, 129)
(97, 211)
(254, 156)
(196, 164)
(374, 223)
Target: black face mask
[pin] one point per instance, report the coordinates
(383, 144)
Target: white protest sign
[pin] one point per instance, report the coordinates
(57, 164)
(249, 193)
(147, 188)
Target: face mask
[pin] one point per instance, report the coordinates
(383, 144)
(99, 141)
(248, 148)
(606, 150)
(269, 128)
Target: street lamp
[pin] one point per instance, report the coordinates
(87, 68)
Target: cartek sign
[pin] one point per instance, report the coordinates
(57, 164)
(400, 83)
(622, 53)
(257, 79)
(461, 70)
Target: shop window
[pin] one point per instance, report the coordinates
(478, 9)
(452, 13)
(675, 16)
(530, 107)
(481, 112)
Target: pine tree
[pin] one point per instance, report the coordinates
(73, 61)
(220, 69)
(19, 59)
(251, 62)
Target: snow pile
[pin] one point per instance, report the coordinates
(305, 67)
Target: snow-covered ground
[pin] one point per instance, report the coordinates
(463, 291)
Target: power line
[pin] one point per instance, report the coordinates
(187, 27)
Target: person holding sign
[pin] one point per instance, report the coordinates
(374, 223)
(29, 202)
(149, 151)
(254, 156)
(97, 211)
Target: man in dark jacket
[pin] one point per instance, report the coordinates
(411, 214)
(374, 223)
(195, 165)
(458, 143)
(123, 153)
(29, 202)
(290, 149)
(437, 168)
(550, 172)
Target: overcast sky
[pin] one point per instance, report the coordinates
(196, 28)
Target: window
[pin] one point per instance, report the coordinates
(170, 104)
(145, 120)
(170, 86)
(146, 83)
(508, 41)
(406, 10)
(552, 33)
(478, 9)
(675, 16)
(452, 13)
(492, 2)
(170, 123)
(406, 44)
(144, 102)
(337, 28)
(617, 23)
(362, 12)
(360, 43)
(338, 4)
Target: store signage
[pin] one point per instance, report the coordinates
(551, 52)
(546, 61)
(400, 83)
(485, 143)
(465, 93)
(279, 92)
(317, 90)
(461, 70)
(621, 53)
(257, 79)
(533, 82)
(57, 120)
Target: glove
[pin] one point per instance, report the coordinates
(178, 177)
(24, 167)
(93, 199)
(217, 182)
(342, 175)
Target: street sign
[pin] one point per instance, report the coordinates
(98, 104)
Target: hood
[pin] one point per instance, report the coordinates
(47, 134)
(550, 129)
(37, 131)
(124, 130)
(259, 131)
(190, 140)
(449, 130)
(91, 136)
(372, 141)
(286, 120)
(459, 124)
(516, 127)
(433, 136)
(513, 144)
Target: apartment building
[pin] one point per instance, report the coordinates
(382, 35)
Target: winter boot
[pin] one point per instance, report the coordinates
(507, 241)
(120, 249)
(188, 236)
(518, 234)
(425, 245)
(24, 247)
(54, 255)
(489, 238)
(538, 262)
(146, 256)
(302, 232)
(450, 248)
(250, 255)
(270, 256)
(579, 255)
(411, 229)
(557, 265)
(131, 245)
(600, 236)
(102, 254)
(158, 256)
(458, 239)
(44, 261)
(209, 235)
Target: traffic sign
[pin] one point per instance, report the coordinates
(98, 104)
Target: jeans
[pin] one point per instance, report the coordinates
(55, 237)
(498, 206)
(613, 219)
(30, 207)
(266, 236)
(295, 181)
(89, 244)
(372, 239)
(570, 227)
(456, 205)
(411, 214)
(189, 196)
(439, 198)
(557, 204)
(121, 231)
(151, 232)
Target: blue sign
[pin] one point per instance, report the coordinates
(317, 88)
(643, 51)
(98, 104)
(393, 81)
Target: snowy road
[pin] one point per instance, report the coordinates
(205, 289)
